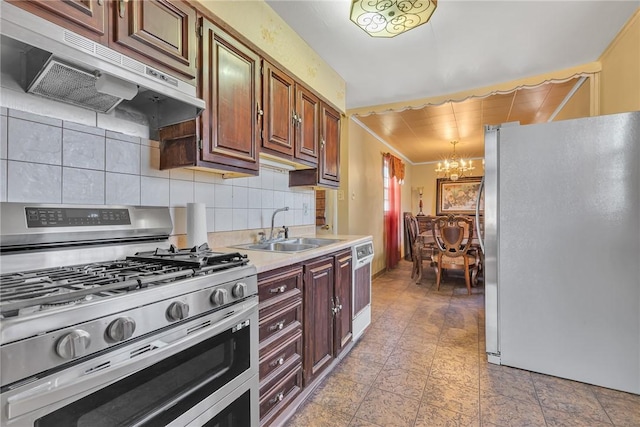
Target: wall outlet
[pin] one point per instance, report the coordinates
(340, 194)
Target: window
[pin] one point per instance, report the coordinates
(385, 185)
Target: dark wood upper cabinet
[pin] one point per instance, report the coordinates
(291, 117)
(158, 30)
(89, 18)
(329, 162)
(279, 121)
(307, 135)
(230, 86)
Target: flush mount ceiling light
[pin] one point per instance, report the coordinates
(454, 167)
(388, 18)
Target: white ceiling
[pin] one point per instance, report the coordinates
(465, 45)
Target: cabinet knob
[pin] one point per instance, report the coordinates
(278, 362)
(278, 290)
(277, 398)
(277, 326)
(322, 143)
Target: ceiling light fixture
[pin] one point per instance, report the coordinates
(454, 167)
(388, 18)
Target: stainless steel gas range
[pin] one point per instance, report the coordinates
(104, 323)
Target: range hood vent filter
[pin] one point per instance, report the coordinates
(63, 83)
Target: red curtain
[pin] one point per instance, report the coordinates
(392, 215)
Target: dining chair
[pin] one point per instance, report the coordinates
(453, 237)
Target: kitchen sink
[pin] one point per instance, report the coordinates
(296, 244)
(312, 241)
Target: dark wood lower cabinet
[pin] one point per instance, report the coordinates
(318, 317)
(342, 295)
(305, 324)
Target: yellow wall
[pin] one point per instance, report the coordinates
(578, 106)
(425, 176)
(256, 21)
(361, 210)
(620, 75)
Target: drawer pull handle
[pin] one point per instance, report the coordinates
(277, 398)
(279, 361)
(277, 326)
(278, 290)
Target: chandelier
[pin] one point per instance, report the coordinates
(454, 167)
(388, 18)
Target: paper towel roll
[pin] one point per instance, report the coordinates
(196, 224)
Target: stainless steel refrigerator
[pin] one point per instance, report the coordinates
(562, 248)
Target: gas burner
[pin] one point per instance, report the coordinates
(173, 250)
(200, 258)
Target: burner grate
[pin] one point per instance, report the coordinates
(41, 289)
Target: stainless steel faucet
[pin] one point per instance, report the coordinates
(286, 208)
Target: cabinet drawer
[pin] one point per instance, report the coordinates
(274, 357)
(289, 316)
(276, 398)
(277, 286)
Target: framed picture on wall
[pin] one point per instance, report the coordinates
(458, 197)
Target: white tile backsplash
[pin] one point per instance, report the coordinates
(205, 193)
(180, 193)
(33, 182)
(267, 199)
(122, 189)
(240, 219)
(150, 162)
(3, 137)
(34, 142)
(106, 167)
(83, 186)
(254, 218)
(3, 180)
(83, 150)
(223, 196)
(240, 198)
(154, 191)
(223, 218)
(122, 157)
(83, 128)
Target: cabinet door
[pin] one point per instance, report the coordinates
(307, 130)
(158, 30)
(278, 104)
(342, 292)
(329, 164)
(318, 317)
(230, 86)
(88, 18)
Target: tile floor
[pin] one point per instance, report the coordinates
(422, 363)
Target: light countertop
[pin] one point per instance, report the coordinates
(265, 261)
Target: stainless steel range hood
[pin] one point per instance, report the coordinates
(61, 65)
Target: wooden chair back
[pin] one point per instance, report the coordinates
(453, 234)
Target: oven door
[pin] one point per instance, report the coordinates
(202, 372)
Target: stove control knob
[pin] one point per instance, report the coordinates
(239, 290)
(178, 310)
(73, 344)
(121, 329)
(219, 297)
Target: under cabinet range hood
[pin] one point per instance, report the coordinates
(58, 64)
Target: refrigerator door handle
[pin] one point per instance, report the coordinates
(480, 237)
